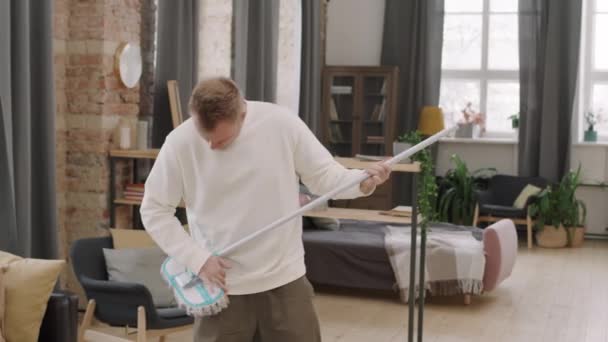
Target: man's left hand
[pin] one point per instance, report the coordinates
(379, 174)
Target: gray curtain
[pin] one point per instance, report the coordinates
(413, 41)
(27, 129)
(549, 45)
(256, 27)
(310, 70)
(176, 59)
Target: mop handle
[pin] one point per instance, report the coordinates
(363, 176)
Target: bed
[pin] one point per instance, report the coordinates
(355, 255)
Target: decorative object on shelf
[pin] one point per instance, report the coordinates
(514, 121)
(470, 119)
(591, 119)
(457, 197)
(560, 216)
(142, 134)
(128, 64)
(125, 136)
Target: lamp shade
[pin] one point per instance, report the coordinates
(431, 120)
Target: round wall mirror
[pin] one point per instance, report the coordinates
(128, 64)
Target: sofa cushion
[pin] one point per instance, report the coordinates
(131, 238)
(169, 313)
(326, 223)
(527, 192)
(26, 305)
(501, 211)
(141, 266)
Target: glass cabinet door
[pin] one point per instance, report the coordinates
(374, 116)
(341, 115)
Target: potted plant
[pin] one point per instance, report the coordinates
(404, 142)
(590, 133)
(470, 119)
(514, 120)
(559, 215)
(427, 184)
(457, 199)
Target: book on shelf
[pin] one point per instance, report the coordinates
(333, 112)
(376, 113)
(375, 139)
(341, 90)
(135, 187)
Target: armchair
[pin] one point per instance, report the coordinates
(118, 303)
(496, 202)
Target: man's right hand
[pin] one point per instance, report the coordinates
(214, 270)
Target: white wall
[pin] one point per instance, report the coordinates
(501, 155)
(354, 32)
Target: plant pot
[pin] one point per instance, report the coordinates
(515, 123)
(577, 236)
(551, 237)
(399, 147)
(591, 136)
(464, 130)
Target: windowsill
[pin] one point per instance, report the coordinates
(603, 143)
(495, 141)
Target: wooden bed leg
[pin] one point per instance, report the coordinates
(86, 321)
(476, 215)
(529, 230)
(467, 299)
(141, 324)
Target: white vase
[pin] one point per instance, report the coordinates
(399, 147)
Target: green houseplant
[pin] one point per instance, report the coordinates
(427, 184)
(559, 215)
(458, 197)
(514, 120)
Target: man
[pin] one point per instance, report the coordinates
(237, 164)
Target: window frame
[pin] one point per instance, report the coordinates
(484, 75)
(590, 76)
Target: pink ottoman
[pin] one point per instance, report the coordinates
(500, 247)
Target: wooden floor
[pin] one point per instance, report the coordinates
(552, 295)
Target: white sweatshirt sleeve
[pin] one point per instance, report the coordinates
(317, 169)
(164, 190)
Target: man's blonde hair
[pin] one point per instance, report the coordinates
(214, 100)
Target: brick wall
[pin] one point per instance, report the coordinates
(91, 104)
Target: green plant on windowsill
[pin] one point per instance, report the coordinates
(557, 208)
(427, 185)
(514, 120)
(458, 192)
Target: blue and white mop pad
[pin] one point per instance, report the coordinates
(194, 295)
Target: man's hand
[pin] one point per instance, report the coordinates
(214, 270)
(379, 174)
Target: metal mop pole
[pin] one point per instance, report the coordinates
(363, 176)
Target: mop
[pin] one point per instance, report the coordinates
(201, 298)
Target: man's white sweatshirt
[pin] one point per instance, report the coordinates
(233, 192)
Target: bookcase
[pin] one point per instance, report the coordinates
(358, 117)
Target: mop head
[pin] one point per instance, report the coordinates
(197, 297)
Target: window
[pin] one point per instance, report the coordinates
(480, 62)
(594, 67)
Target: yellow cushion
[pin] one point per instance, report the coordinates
(28, 284)
(131, 238)
(2, 270)
(529, 190)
